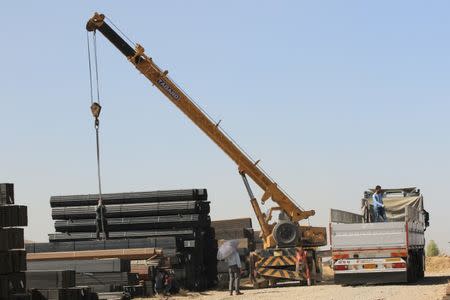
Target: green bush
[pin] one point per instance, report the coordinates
(432, 249)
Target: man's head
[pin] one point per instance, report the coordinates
(378, 189)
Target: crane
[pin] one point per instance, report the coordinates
(289, 248)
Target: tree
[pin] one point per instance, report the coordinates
(432, 249)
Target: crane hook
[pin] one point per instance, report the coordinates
(96, 109)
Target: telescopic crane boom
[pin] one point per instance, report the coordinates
(288, 231)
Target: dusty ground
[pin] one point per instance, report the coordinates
(438, 264)
(431, 287)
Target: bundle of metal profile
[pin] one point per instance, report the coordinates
(12, 261)
(132, 254)
(192, 270)
(83, 236)
(235, 229)
(127, 198)
(138, 223)
(50, 279)
(100, 278)
(11, 238)
(232, 224)
(13, 215)
(134, 290)
(83, 265)
(6, 193)
(107, 288)
(210, 257)
(75, 293)
(111, 296)
(196, 268)
(234, 234)
(12, 283)
(165, 243)
(132, 210)
(21, 296)
(12, 254)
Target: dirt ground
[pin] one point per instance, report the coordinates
(431, 287)
(438, 264)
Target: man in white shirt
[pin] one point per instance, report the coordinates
(234, 269)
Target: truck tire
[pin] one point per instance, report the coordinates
(421, 264)
(411, 268)
(313, 272)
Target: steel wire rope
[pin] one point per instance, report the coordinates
(234, 141)
(121, 32)
(213, 121)
(97, 123)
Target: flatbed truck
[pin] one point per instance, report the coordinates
(367, 252)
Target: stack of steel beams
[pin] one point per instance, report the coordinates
(135, 223)
(176, 221)
(131, 254)
(6, 193)
(86, 236)
(12, 252)
(56, 284)
(132, 210)
(82, 265)
(63, 294)
(13, 215)
(100, 270)
(50, 279)
(168, 243)
(128, 198)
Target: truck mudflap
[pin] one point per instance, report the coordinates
(370, 270)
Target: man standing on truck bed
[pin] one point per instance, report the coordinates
(379, 212)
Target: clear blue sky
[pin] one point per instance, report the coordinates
(333, 96)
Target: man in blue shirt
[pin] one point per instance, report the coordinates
(378, 207)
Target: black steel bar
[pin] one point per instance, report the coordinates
(126, 198)
(132, 210)
(138, 223)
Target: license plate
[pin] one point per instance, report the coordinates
(370, 266)
(394, 259)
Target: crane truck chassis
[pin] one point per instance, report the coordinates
(289, 249)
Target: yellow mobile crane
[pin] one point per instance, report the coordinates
(289, 248)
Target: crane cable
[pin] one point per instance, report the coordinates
(96, 109)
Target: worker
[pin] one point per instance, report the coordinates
(378, 206)
(102, 223)
(234, 270)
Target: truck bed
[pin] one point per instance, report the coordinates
(376, 235)
(370, 253)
